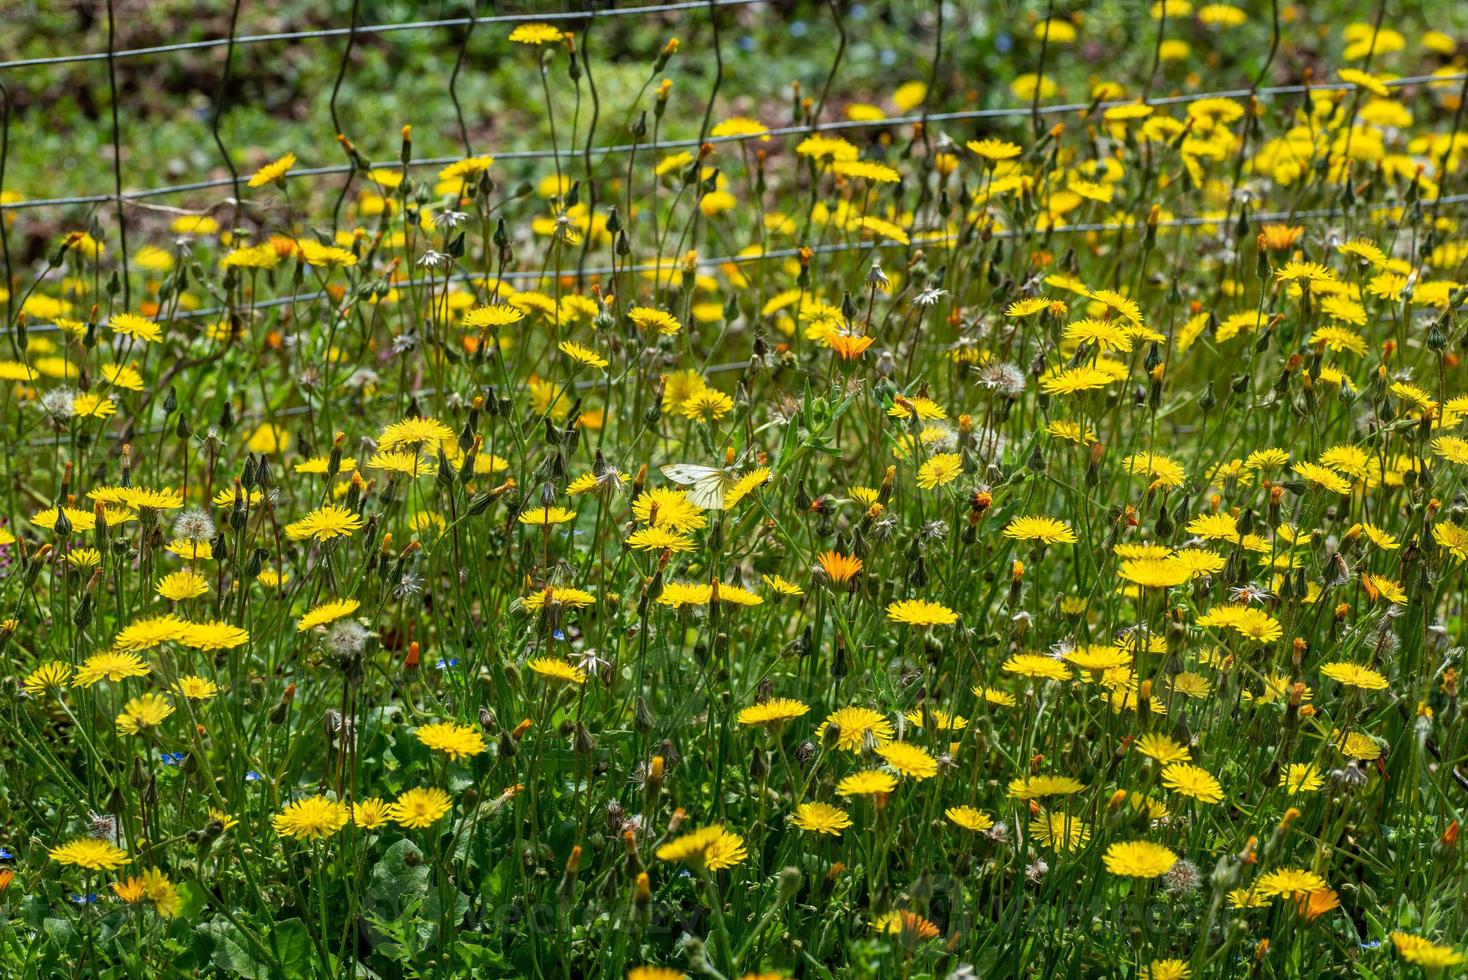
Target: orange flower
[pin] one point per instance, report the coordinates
(1279, 238)
(906, 924)
(1317, 903)
(840, 568)
(849, 346)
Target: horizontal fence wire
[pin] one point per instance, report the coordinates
(1000, 112)
(219, 42)
(586, 384)
(1307, 216)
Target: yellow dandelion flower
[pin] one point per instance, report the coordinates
(452, 739)
(868, 782)
(1138, 859)
(312, 818)
(327, 612)
(920, 612)
(419, 807)
(91, 854)
(821, 818)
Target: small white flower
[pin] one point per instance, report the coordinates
(1249, 593)
(450, 219)
(1059, 650)
(591, 661)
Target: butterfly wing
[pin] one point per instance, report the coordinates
(706, 484)
(708, 492)
(688, 473)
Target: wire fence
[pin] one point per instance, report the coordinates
(931, 238)
(921, 239)
(966, 115)
(418, 25)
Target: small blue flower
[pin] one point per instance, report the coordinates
(253, 777)
(174, 758)
(6, 854)
(559, 634)
(451, 662)
(86, 899)
(1373, 944)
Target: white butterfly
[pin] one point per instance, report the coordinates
(706, 484)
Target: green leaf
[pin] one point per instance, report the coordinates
(428, 927)
(292, 944)
(395, 903)
(230, 952)
(194, 897)
(60, 930)
(401, 875)
(477, 957)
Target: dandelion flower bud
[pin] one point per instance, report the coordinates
(643, 893)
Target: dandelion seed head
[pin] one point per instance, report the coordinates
(346, 638)
(193, 524)
(1001, 377)
(103, 826)
(58, 404)
(1182, 879)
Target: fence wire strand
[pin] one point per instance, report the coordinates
(554, 16)
(920, 241)
(1001, 112)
